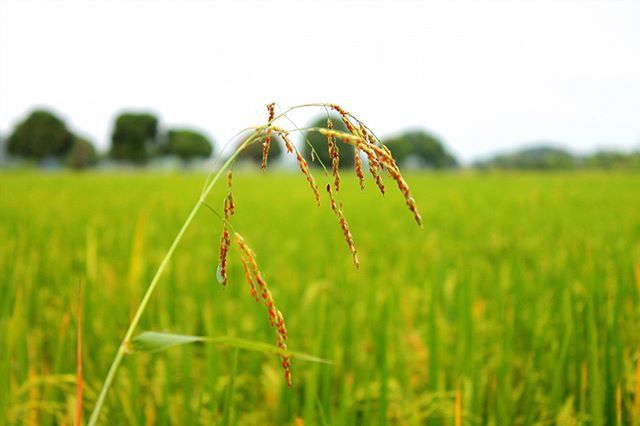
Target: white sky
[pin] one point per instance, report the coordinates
(484, 75)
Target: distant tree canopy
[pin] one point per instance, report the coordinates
(42, 134)
(188, 144)
(134, 137)
(425, 148)
(319, 143)
(612, 160)
(82, 154)
(253, 152)
(540, 157)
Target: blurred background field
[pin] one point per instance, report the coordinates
(517, 303)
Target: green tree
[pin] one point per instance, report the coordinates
(188, 144)
(253, 152)
(134, 137)
(42, 134)
(426, 148)
(612, 160)
(82, 154)
(319, 143)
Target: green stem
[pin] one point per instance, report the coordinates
(156, 278)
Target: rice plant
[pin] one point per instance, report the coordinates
(359, 135)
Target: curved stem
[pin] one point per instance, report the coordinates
(156, 278)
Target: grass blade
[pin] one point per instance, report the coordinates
(155, 341)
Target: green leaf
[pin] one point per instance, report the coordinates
(154, 341)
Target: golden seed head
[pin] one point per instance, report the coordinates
(265, 148)
(225, 242)
(276, 319)
(358, 167)
(272, 111)
(345, 117)
(374, 164)
(344, 226)
(285, 137)
(304, 167)
(334, 155)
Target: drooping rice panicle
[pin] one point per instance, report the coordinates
(304, 167)
(225, 240)
(385, 158)
(229, 206)
(276, 319)
(287, 142)
(394, 172)
(358, 167)
(345, 118)
(344, 226)
(247, 275)
(267, 139)
(334, 155)
(302, 163)
(374, 164)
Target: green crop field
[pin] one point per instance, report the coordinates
(517, 303)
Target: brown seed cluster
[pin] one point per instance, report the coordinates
(384, 158)
(304, 167)
(344, 225)
(374, 164)
(345, 117)
(225, 240)
(285, 137)
(357, 161)
(258, 284)
(302, 163)
(267, 139)
(334, 154)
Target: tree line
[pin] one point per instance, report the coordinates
(543, 156)
(137, 139)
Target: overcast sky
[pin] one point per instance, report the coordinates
(483, 75)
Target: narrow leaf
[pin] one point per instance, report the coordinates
(154, 341)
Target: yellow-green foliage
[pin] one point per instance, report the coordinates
(520, 292)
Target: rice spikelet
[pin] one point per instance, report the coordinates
(225, 242)
(334, 154)
(285, 137)
(358, 167)
(247, 275)
(272, 111)
(276, 319)
(225, 239)
(267, 139)
(304, 166)
(374, 164)
(229, 205)
(345, 118)
(345, 227)
(395, 174)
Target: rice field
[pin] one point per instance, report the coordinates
(516, 304)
